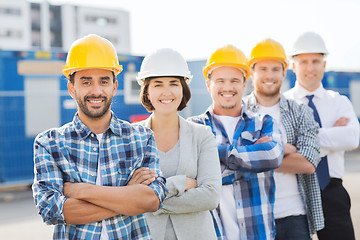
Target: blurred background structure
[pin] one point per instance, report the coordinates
(22, 27)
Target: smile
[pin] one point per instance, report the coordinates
(95, 101)
(227, 95)
(269, 83)
(166, 101)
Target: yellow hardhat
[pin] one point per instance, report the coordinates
(227, 56)
(91, 51)
(268, 49)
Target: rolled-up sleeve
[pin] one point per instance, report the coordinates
(307, 139)
(48, 184)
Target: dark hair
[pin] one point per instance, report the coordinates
(144, 92)
(72, 77)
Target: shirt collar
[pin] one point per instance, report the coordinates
(253, 106)
(244, 113)
(83, 131)
(301, 92)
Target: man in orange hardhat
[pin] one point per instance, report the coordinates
(339, 132)
(297, 195)
(249, 149)
(82, 168)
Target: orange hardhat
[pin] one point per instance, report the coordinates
(91, 51)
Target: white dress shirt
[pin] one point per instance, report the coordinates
(334, 141)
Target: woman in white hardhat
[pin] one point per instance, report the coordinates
(188, 152)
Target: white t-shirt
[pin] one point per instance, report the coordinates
(227, 201)
(288, 200)
(103, 234)
(229, 124)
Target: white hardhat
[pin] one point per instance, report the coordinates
(164, 62)
(309, 42)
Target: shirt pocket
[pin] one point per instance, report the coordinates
(126, 169)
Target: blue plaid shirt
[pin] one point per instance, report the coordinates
(71, 154)
(302, 132)
(249, 168)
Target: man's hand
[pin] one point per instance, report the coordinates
(264, 139)
(341, 122)
(289, 148)
(190, 183)
(143, 176)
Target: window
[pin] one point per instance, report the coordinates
(101, 20)
(10, 11)
(10, 33)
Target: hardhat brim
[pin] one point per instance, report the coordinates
(69, 71)
(244, 68)
(141, 79)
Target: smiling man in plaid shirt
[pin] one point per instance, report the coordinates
(298, 210)
(83, 168)
(249, 150)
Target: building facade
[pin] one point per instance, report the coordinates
(20, 25)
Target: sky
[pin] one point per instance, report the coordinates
(196, 28)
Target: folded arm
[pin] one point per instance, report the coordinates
(263, 155)
(296, 163)
(132, 199)
(187, 195)
(127, 200)
(204, 196)
(344, 134)
(81, 212)
(305, 155)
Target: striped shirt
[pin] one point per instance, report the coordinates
(301, 131)
(71, 154)
(249, 168)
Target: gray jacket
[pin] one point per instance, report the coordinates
(189, 210)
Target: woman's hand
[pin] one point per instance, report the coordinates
(190, 183)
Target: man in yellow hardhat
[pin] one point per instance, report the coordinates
(339, 131)
(248, 147)
(297, 197)
(82, 168)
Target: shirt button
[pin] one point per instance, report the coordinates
(94, 149)
(92, 174)
(92, 135)
(130, 168)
